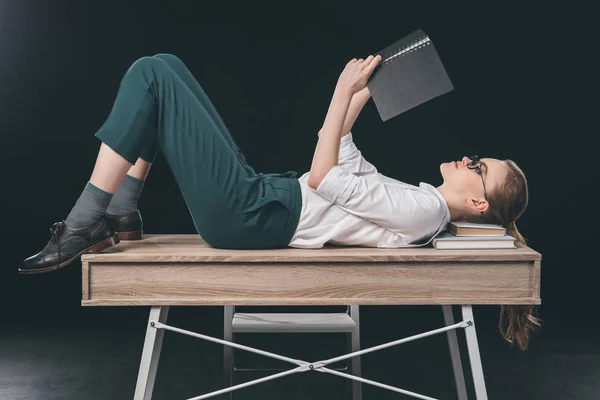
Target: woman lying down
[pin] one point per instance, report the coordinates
(342, 200)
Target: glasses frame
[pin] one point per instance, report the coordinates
(475, 164)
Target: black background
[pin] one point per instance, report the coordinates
(523, 91)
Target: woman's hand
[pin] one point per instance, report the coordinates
(355, 76)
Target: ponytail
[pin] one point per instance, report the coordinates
(521, 321)
(507, 203)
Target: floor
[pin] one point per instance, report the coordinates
(94, 354)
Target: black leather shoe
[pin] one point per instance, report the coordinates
(128, 226)
(68, 244)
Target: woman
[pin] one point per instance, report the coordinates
(342, 199)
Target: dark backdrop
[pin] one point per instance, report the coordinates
(270, 68)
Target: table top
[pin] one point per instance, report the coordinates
(191, 248)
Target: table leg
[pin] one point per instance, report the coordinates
(150, 354)
(459, 377)
(475, 358)
(356, 362)
(228, 354)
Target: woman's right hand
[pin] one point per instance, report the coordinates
(356, 74)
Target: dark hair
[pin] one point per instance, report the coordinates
(506, 204)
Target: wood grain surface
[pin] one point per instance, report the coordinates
(173, 269)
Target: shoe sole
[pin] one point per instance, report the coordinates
(98, 247)
(133, 235)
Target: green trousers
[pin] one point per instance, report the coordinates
(161, 106)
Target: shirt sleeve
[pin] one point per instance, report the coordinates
(350, 158)
(401, 210)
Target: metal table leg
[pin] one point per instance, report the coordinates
(459, 377)
(150, 354)
(474, 357)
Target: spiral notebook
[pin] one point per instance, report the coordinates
(410, 73)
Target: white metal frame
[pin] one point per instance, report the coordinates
(157, 326)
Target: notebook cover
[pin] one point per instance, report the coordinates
(408, 80)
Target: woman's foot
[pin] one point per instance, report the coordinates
(68, 244)
(128, 225)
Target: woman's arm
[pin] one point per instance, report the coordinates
(328, 146)
(352, 80)
(356, 105)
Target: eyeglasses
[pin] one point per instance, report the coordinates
(475, 164)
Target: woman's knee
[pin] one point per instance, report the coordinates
(148, 64)
(172, 61)
(168, 57)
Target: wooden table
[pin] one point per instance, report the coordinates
(165, 270)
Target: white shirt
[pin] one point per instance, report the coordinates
(357, 205)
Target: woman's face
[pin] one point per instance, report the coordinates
(467, 181)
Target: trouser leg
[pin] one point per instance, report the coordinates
(188, 78)
(153, 103)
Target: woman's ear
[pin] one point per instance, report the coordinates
(478, 205)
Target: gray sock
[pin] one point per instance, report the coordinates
(89, 208)
(126, 197)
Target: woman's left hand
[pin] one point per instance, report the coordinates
(356, 74)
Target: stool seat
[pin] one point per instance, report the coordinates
(293, 322)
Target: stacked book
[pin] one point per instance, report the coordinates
(467, 235)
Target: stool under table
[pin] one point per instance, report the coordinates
(164, 270)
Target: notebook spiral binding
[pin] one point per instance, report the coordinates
(417, 44)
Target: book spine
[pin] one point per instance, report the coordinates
(417, 44)
(452, 229)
